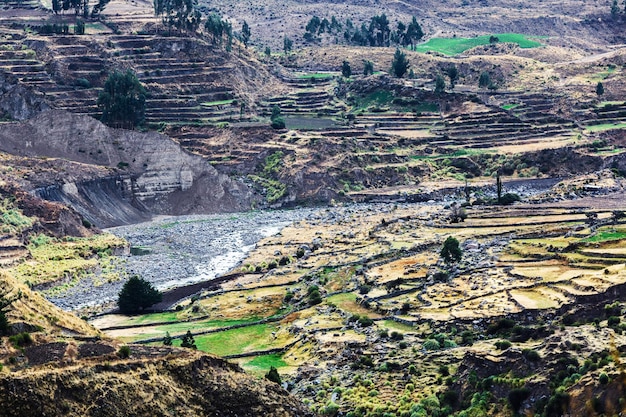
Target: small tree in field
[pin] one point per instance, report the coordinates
(273, 375)
(346, 71)
(122, 100)
(188, 341)
(368, 68)
(137, 294)
(599, 89)
(451, 252)
(400, 64)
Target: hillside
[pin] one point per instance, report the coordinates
(462, 255)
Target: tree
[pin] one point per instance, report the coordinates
(98, 8)
(615, 9)
(188, 341)
(440, 85)
(451, 252)
(453, 75)
(484, 80)
(287, 45)
(273, 375)
(122, 100)
(268, 51)
(413, 34)
(346, 71)
(499, 187)
(599, 89)
(167, 340)
(277, 120)
(400, 63)
(181, 14)
(79, 27)
(245, 33)
(368, 68)
(137, 294)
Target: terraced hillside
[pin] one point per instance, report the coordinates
(360, 299)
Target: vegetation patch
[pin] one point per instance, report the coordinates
(455, 46)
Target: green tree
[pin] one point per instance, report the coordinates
(615, 9)
(346, 71)
(368, 68)
(122, 100)
(277, 120)
(484, 80)
(400, 64)
(451, 252)
(136, 295)
(440, 85)
(287, 45)
(245, 33)
(79, 27)
(599, 89)
(268, 51)
(453, 75)
(188, 341)
(273, 375)
(413, 33)
(167, 340)
(181, 14)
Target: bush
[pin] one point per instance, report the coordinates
(273, 375)
(21, 340)
(517, 397)
(82, 83)
(604, 378)
(509, 198)
(531, 355)
(124, 352)
(137, 294)
(502, 344)
(188, 341)
(431, 344)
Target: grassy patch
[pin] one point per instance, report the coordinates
(245, 339)
(217, 103)
(455, 46)
(509, 106)
(606, 235)
(316, 76)
(52, 260)
(11, 219)
(264, 362)
(606, 126)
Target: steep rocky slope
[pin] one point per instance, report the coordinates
(147, 172)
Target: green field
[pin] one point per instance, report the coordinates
(606, 126)
(317, 76)
(455, 46)
(245, 339)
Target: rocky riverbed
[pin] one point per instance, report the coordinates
(172, 252)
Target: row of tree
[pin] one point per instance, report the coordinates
(378, 32)
(79, 7)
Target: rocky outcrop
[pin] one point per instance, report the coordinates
(149, 173)
(17, 101)
(177, 383)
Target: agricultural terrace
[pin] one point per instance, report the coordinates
(368, 282)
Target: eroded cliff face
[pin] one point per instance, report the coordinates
(148, 172)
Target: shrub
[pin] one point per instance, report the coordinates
(604, 378)
(82, 82)
(124, 352)
(273, 375)
(188, 341)
(502, 344)
(431, 344)
(21, 339)
(517, 396)
(531, 355)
